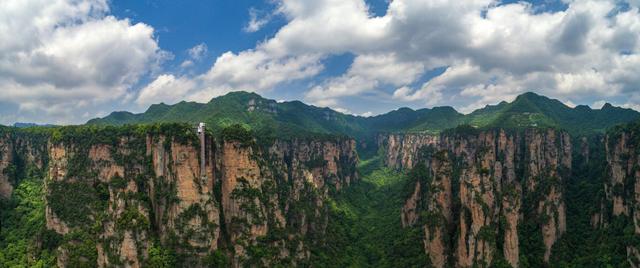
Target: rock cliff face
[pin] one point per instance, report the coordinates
(120, 202)
(279, 192)
(20, 155)
(478, 188)
(127, 192)
(401, 149)
(622, 187)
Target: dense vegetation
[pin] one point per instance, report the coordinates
(532, 110)
(583, 245)
(24, 240)
(364, 226)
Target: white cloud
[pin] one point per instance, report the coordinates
(257, 20)
(367, 114)
(569, 103)
(428, 94)
(186, 64)
(342, 110)
(598, 104)
(634, 106)
(61, 56)
(165, 88)
(258, 71)
(366, 73)
(250, 71)
(73, 52)
(198, 51)
(494, 52)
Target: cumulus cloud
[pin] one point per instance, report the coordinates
(59, 57)
(492, 51)
(74, 53)
(251, 71)
(165, 88)
(258, 71)
(366, 73)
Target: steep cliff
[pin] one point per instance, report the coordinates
(401, 149)
(134, 196)
(116, 194)
(274, 199)
(621, 205)
(479, 192)
(21, 154)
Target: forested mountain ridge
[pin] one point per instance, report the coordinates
(290, 118)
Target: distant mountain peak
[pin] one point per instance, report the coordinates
(121, 113)
(238, 95)
(405, 109)
(607, 106)
(159, 106)
(529, 95)
(583, 108)
(444, 109)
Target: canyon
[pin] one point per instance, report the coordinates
(465, 196)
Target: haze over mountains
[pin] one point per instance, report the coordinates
(295, 117)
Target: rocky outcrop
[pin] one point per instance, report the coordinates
(622, 161)
(244, 213)
(119, 197)
(21, 154)
(622, 186)
(121, 180)
(6, 160)
(281, 187)
(401, 149)
(473, 191)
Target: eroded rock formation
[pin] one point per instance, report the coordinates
(134, 194)
(622, 187)
(21, 154)
(479, 188)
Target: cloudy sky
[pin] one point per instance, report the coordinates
(67, 61)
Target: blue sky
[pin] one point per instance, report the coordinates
(181, 25)
(92, 57)
(220, 25)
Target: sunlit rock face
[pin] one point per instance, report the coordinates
(140, 192)
(479, 187)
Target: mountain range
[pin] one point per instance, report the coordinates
(295, 117)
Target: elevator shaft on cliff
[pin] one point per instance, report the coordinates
(201, 135)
